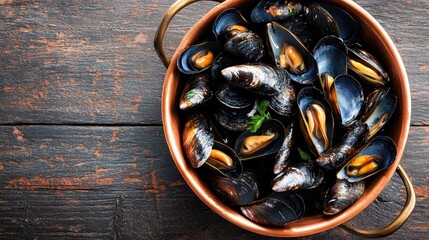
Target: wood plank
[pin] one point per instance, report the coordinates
(120, 182)
(69, 62)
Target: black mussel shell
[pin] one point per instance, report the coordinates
(233, 169)
(238, 191)
(198, 58)
(330, 54)
(223, 60)
(298, 176)
(232, 119)
(278, 209)
(374, 99)
(346, 99)
(376, 156)
(321, 20)
(340, 153)
(272, 128)
(342, 195)
(301, 28)
(284, 102)
(247, 45)
(381, 114)
(276, 10)
(196, 92)
(277, 36)
(349, 28)
(226, 19)
(197, 139)
(281, 159)
(367, 67)
(233, 97)
(256, 77)
(312, 96)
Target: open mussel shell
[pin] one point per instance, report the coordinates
(374, 99)
(196, 92)
(349, 28)
(298, 176)
(342, 195)
(265, 141)
(288, 51)
(376, 156)
(197, 139)
(256, 77)
(281, 160)
(224, 160)
(278, 209)
(380, 114)
(238, 191)
(276, 10)
(198, 58)
(316, 120)
(367, 67)
(346, 99)
(231, 29)
(330, 54)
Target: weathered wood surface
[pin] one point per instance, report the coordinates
(87, 63)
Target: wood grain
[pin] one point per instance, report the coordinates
(119, 182)
(94, 62)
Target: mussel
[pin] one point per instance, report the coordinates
(321, 20)
(298, 176)
(281, 159)
(289, 53)
(316, 119)
(238, 191)
(342, 195)
(232, 30)
(378, 155)
(224, 160)
(339, 154)
(265, 141)
(198, 58)
(257, 77)
(276, 10)
(367, 67)
(284, 102)
(197, 139)
(278, 209)
(196, 92)
(222, 61)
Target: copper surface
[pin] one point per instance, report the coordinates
(379, 43)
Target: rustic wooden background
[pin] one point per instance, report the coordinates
(82, 150)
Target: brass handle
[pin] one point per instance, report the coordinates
(165, 21)
(402, 217)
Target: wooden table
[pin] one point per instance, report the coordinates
(82, 150)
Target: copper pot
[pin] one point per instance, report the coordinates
(381, 45)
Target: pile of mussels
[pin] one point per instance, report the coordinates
(305, 61)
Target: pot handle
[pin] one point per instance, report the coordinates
(402, 217)
(165, 21)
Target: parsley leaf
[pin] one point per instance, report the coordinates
(256, 120)
(190, 94)
(304, 155)
(292, 12)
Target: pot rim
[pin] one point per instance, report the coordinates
(307, 225)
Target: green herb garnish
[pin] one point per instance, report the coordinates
(292, 12)
(190, 94)
(256, 120)
(304, 155)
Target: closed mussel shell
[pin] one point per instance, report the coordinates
(289, 52)
(298, 176)
(233, 97)
(376, 156)
(238, 191)
(265, 141)
(281, 159)
(342, 195)
(198, 58)
(278, 209)
(284, 102)
(232, 119)
(197, 139)
(321, 20)
(196, 92)
(222, 61)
